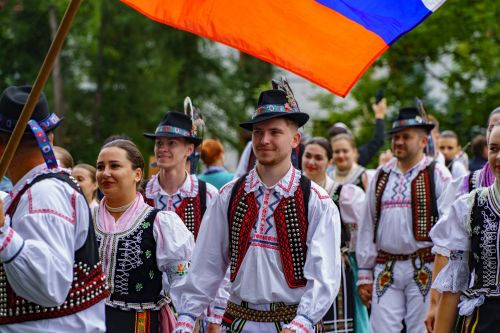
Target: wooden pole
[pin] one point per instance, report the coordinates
(38, 86)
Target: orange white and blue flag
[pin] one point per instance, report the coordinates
(329, 42)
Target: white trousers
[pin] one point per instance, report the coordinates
(402, 300)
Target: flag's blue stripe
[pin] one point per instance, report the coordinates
(387, 18)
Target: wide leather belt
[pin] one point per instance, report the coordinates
(425, 254)
(282, 313)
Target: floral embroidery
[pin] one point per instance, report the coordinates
(151, 274)
(138, 286)
(181, 269)
(145, 224)
(148, 254)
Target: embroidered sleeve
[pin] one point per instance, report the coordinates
(300, 324)
(218, 305)
(11, 243)
(174, 246)
(185, 323)
(454, 277)
(366, 251)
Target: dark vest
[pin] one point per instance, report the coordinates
(190, 210)
(134, 277)
(423, 202)
(473, 179)
(291, 220)
(484, 219)
(345, 235)
(88, 287)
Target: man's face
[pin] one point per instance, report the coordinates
(171, 152)
(449, 148)
(408, 143)
(273, 141)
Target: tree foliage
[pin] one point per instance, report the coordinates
(122, 72)
(451, 61)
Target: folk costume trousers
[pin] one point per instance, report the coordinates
(397, 296)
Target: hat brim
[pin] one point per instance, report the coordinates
(152, 136)
(427, 127)
(300, 118)
(28, 131)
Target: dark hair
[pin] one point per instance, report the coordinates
(320, 141)
(115, 137)
(89, 168)
(478, 144)
(338, 128)
(348, 137)
(449, 134)
(133, 154)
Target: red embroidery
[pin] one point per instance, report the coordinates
(292, 232)
(88, 288)
(290, 183)
(241, 221)
(7, 240)
(184, 324)
(71, 219)
(318, 193)
(190, 213)
(299, 325)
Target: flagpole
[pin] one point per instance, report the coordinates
(38, 86)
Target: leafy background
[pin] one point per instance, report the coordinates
(119, 72)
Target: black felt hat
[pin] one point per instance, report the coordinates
(273, 104)
(12, 102)
(409, 118)
(175, 125)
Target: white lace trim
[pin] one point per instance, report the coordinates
(285, 187)
(467, 305)
(454, 277)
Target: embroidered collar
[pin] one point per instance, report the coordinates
(392, 165)
(286, 185)
(188, 189)
(32, 174)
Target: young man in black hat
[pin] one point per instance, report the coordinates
(50, 276)
(173, 189)
(394, 247)
(277, 232)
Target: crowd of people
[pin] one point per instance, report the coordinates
(304, 237)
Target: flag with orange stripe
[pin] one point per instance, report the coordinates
(329, 42)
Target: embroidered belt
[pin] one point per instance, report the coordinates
(282, 313)
(425, 253)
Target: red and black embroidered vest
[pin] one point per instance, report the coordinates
(423, 202)
(291, 220)
(190, 210)
(88, 287)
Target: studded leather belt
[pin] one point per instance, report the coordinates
(425, 254)
(282, 313)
